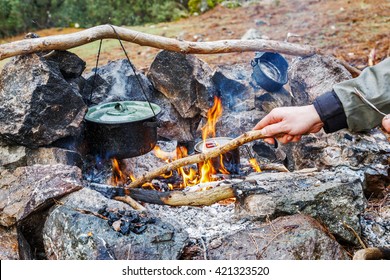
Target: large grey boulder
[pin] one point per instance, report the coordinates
(376, 225)
(266, 101)
(314, 75)
(368, 152)
(73, 232)
(32, 188)
(9, 244)
(234, 85)
(37, 105)
(12, 156)
(185, 80)
(296, 237)
(172, 125)
(116, 81)
(233, 124)
(70, 65)
(333, 197)
(50, 156)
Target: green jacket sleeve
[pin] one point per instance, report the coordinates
(374, 84)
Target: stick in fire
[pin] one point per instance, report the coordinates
(203, 157)
(207, 169)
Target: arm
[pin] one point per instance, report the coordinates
(374, 83)
(334, 110)
(290, 123)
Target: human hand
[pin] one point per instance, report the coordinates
(386, 123)
(288, 124)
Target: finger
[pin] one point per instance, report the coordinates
(296, 138)
(273, 129)
(285, 138)
(271, 118)
(270, 141)
(386, 123)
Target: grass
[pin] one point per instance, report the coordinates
(110, 48)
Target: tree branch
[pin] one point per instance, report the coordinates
(68, 41)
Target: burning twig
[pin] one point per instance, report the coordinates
(274, 166)
(203, 157)
(127, 199)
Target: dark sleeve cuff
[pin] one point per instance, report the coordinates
(331, 112)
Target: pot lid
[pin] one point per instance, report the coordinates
(211, 143)
(122, 112)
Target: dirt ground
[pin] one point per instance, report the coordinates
(355, 31)
(348, 29)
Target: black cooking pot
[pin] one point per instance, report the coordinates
(122, 129)
(270, 70)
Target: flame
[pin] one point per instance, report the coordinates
(119, 178)
(167, 156)
(117, 175)
(190, 176)
(213, 115)
(206, 171)
(255, 164)
(208, 130)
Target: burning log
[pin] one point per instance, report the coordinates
(181, 198)
(68, 41)
(178, 198)
(173, 198)
(203, 157)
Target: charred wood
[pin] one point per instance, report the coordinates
(179, 198)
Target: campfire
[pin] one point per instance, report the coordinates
(203, 172)
(164, 200)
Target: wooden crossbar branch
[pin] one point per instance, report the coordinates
(231, 145)
(68, 41)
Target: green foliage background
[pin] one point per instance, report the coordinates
(17, 16)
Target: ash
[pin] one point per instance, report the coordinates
(376, 227)
(206, 223)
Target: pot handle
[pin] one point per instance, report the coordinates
(256, 59)
(152, 124)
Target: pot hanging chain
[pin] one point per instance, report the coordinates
(133, 68)
(95, 73)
